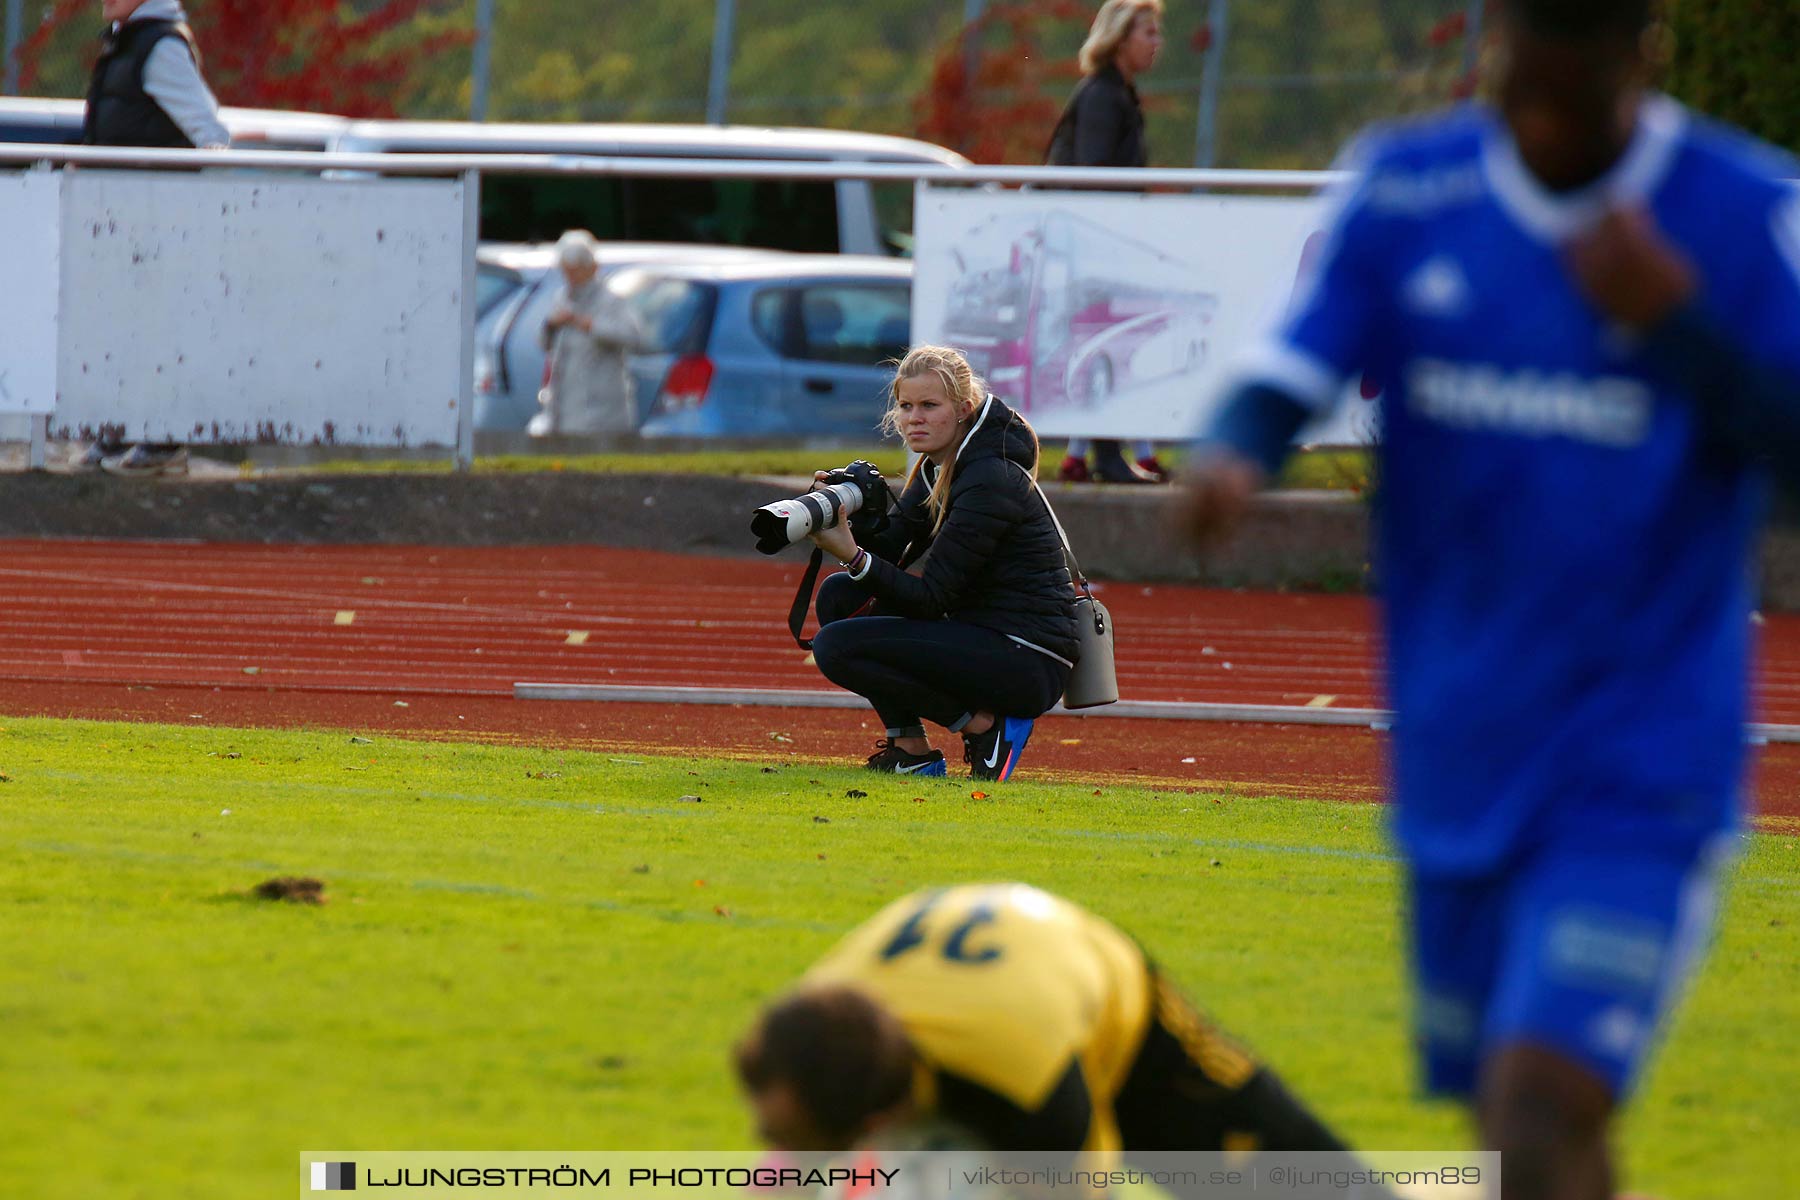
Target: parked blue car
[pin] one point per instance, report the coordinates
(789, 346)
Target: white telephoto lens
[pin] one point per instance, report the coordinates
(788, 521)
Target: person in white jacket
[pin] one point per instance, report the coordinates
(588, 333)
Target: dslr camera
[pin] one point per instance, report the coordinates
(857, 493)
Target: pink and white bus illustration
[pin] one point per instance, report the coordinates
(1055, 310)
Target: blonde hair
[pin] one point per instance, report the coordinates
(966, 391)
(1112, 25)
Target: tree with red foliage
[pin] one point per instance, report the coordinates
(286, 54)
(1005, 112)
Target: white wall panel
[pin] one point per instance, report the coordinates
(239, 307)
(29, 215)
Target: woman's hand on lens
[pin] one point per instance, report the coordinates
(835, 541)
(819, 478)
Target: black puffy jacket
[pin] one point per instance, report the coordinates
(997, 561)
(1102, 125)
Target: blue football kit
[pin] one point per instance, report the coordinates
(1565, 524)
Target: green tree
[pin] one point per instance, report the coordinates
(1295, 84)
(1736, 60)
(354, 59)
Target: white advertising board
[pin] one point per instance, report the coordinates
(30, 213)
(1111, 315)
(232, 307)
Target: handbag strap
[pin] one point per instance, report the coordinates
(1068, 551)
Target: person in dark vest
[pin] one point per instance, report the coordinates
(147, 90)
(1103, 126)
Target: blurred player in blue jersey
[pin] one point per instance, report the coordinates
(1584, 306)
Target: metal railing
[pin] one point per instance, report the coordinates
(1112, 178)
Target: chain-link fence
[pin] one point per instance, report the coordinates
(1240, 83)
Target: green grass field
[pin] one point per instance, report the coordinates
(528, 949)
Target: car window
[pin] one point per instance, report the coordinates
(863, 324)
(44, 132)
(531, 314)
(894, 214)
(674, 315)
(521, 208)
(768, 317)
(777, 214)
(493, 284)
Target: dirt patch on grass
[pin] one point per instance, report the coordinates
(295, 889)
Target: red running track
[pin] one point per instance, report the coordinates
(415, 620)
(319, 634)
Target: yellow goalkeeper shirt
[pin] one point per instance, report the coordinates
(1005, 986)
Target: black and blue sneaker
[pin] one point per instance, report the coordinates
(994, 754)
(891, 758)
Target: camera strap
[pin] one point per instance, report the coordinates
(803, 598)
(810, 580)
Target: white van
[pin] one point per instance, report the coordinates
(58, 122)
(821, 216)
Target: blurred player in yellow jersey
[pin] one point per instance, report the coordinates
(1018, 1016)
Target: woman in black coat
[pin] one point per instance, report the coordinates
(979, 636)
(1103, 126)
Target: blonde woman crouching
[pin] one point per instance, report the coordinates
(979, 636)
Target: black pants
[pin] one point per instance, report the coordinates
(1192, 1088)
(939, 671)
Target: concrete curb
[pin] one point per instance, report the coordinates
(1305, 540)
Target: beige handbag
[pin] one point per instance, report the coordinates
(1093, 682)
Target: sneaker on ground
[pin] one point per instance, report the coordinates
(1153, 467)
(1073, 470)
(889, 757)
(994, 754)
(146, 460)
(1118, 469)
(94, 455)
